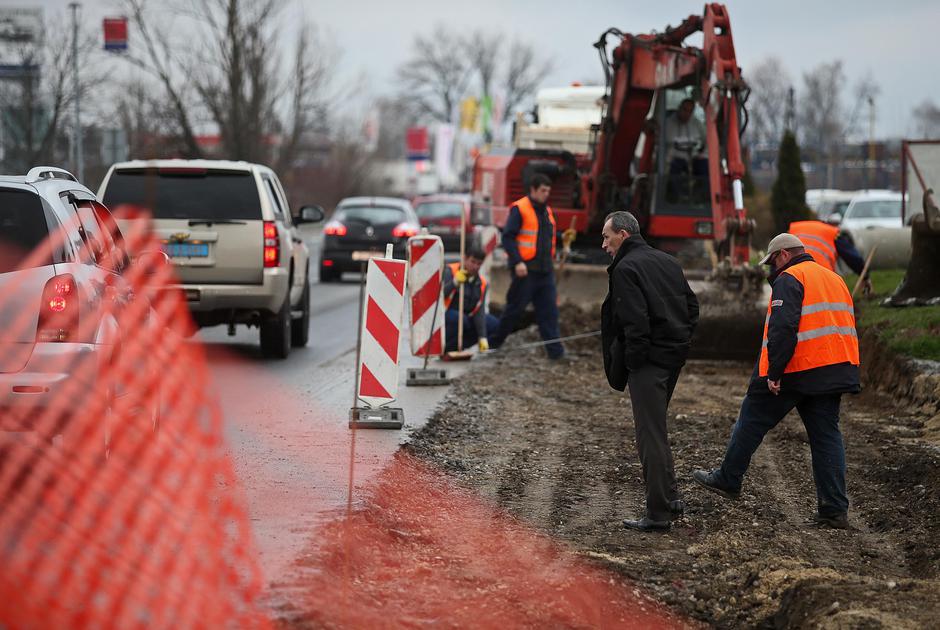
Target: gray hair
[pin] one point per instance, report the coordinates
(623, 220)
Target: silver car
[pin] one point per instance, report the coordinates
(229, 232)
(62, 294)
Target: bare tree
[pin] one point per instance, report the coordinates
(437, 74)
(233, 76)
(160, 59)
(927, 120)
(483, 53)
(38, 102)
(767, 106)
(823, 119)
(524, 72)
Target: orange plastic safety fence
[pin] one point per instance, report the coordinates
(118, 505)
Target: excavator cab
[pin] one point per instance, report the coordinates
(681, 170)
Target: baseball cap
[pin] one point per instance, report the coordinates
(781, 241)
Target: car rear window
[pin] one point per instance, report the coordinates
(373, 215)
(23, 229)
(439, 209)
(885, 209)
(181, 194)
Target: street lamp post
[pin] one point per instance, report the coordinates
(78, 162)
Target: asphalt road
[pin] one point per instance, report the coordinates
(286, 422)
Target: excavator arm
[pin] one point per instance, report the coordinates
(638, 67)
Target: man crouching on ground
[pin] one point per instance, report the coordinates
(647, 322)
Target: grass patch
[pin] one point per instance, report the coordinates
(913, 331)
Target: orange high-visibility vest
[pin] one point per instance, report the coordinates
(819, 239)
(528, 236)
(454, 268)
(826, 335)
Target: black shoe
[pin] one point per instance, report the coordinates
(836, 521)
(646, 524)
(677, 508)
(708, 480)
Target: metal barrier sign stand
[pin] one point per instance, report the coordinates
(381, 302)
(426, 264)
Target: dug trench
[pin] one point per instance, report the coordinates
(551, 444)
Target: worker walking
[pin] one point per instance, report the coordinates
(478, 325)
(647, 322)
(827, 244)
(529, 241)
(808, 359)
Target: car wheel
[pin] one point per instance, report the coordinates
(276, 333)
(300, 328)
(328, 275)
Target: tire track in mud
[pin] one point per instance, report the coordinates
(560, 445)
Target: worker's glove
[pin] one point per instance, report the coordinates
(866, 287)
(568, 236)
(460, 277)
(483, 344)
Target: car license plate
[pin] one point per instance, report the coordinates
(443, 229)
(186, 250)
(366, 255)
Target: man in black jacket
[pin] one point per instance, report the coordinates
(647, 323)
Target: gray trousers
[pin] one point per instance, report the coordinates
(651, 389)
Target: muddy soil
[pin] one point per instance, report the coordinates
(553, 445)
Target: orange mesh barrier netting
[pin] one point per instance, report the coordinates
(423, 552)
(118, 504)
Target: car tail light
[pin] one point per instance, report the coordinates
(334, 228)
(58, 311)
(327, 262)
(404, 230)
(272, 245)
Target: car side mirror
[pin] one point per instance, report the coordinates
(311, 214)
(835, 218)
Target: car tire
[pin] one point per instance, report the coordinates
(328, 275)
(300, 328)
(276, 333)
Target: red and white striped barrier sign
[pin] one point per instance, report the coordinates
(489, 241)
(426, 259)
(383, 308)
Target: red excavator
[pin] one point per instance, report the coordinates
(629, 165)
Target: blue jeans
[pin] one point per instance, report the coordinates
(452, 317)
(761, 412)
(539, 289)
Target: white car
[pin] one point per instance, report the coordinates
(63, 304)
(872, 209)
(872, 220)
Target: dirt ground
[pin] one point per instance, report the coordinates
(554, 446)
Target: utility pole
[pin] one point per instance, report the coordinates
(871, 141)
(78, 162)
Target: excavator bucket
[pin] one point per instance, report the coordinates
(732, 303)
(921, 283)
(920, 160)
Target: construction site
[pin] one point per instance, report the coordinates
(612, 361)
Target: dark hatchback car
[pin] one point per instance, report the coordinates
(441, 215)
(360, 229)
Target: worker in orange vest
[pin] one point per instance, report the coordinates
(529, 241)
(826, 244)
(808, 359)
(478, 325)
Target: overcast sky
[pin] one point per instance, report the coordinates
(895, 41)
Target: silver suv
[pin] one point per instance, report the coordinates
(228, 230)
(63, 296)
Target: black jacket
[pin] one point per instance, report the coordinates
(649, 314)
(787, 296)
